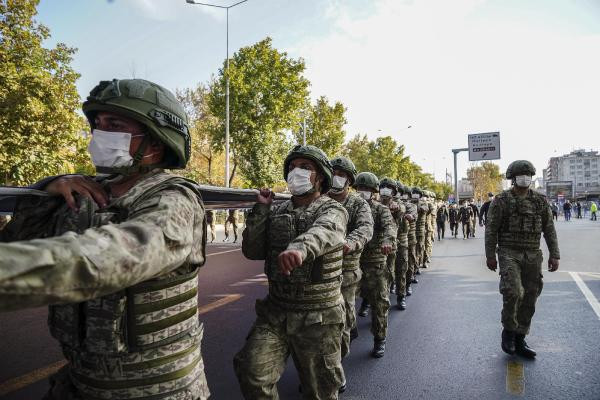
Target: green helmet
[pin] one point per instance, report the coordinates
(416, 190)
(520, 167)
(346, 165)
(389, 182)
(315, 154)
(153, 106)
(367, 179)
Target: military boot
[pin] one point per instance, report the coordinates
(393, 288)
(408, 289)
(508, 342)
(401, 302)
(522, 348)
(353, 333)
(417, 272)
(364, 308)
(378, 348)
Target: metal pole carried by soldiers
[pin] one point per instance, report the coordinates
(515, 222)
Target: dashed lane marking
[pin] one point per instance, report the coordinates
(515, 378)
(36, 375)
(223, 252)
(589, 296)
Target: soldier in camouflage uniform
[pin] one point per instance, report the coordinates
(376, 277)
(388, 190)
(516, 220)
(359, 232)
(302, 242)
(429, 228)
(465, 215)
(412, 199)
(402, 272)
(119, 271)
(422, 210)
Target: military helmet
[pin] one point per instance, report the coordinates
(401, 188)
(520, 167)
(416, 190)
(150, 104)
(367, 179)
(346, 165)
(315, 154)
(385, 181)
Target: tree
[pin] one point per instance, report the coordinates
(325, 126)
(485, 178)
(267, 93)
(39, 126)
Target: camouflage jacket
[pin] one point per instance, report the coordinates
(404, 224)
(384, 233)
(518, 223)
(422, 210)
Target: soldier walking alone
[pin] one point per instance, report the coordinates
(516, 220)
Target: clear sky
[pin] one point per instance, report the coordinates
(527, 68)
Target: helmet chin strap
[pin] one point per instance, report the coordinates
(136, 166)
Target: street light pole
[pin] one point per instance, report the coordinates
(226, 80)
(455, 152)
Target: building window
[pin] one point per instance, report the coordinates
(580, 184)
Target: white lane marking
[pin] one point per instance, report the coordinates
(515, 378)
(222, 252)
(589, 296)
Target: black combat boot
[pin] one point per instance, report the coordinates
(364, 308)
(378, 348)
(342, 388)
(353, 334)
(508, 341)
(408, 289)
(417, 272)
(393, 288)
(401, 302)
(522, 348)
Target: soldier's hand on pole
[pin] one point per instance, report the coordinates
(386, 249)
(288, 260)
(552, 264)
(265, 196)
(492, 264)
(84, 186)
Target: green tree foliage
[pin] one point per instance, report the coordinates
(324, 126)
(485, 178)
(39, 126)
(267, 92)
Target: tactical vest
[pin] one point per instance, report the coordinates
(314, 285)
(142, 342)
(372, 253)
(522, 221)
(351, 261)
(422, 210)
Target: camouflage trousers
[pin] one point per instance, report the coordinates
(376, 289)
(390, 262)
(412, 260)
(428, 247)
(520, 285)
(401, 271)
(350, 284)
(312, 338)
(420, 252)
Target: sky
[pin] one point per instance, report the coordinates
(529, 69)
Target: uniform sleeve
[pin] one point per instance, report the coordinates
(492, 228)
(158, 238)
(364, 228)
(389, 227)
(327, 232)
(550, 233)
(254, 237)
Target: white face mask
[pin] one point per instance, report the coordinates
(385, 192)
(339, 183)
(298, 181)
(415, 196)
(110, 149)
(365, 194)
(523, 181)
(404, 197)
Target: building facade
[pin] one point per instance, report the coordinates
(573, 175)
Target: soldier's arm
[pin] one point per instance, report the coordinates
(550, 233)
(491, 230)
(364, 228)
(160, 237)
(254, 237)
(389, 227)
(327, 231)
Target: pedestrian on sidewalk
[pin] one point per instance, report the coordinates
(594, 210)
(554, 208)
(567, 210)
(231, 221)
(578, 209)
(453, 219)
(210, 222)
(441, 218)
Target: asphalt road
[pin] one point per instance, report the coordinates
(444, 346)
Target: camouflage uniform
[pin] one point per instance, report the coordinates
(402, 271)
(376, 276)
(128, 319)
(422, 210)
(430, 232)
(465, 215)
(360, 231)
(515, 225)
(412, 244)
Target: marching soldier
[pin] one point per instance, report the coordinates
(422, 211)
(402, 271)
(388, 190)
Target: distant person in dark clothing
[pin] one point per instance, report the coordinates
(465, 215)
(441, 218)
(567, 210)
(453, 219)
(554, 208)
(484, 209)
(474, 217)
(578, 209)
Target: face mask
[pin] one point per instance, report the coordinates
(339, 183)
(110, 149)
(385, 192)
(404, 197)
(415, 196)
(365, 194)
(523, 181)
(298, 181)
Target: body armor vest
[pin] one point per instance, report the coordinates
(522, 221)
(372, 253)
(141, 342)
(314, 285)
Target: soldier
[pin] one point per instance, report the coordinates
(388, 190)
(440, 219)
(475, 216)
(402, 271)
(302, 242)
(484, 210)
(429, 228)
(453, 218)
(413, 265)
(516, 220)
(375, 281)
(465, 215)
(422, 211)
(231, 221)
(210, 222)
(358, 233)
(119, 271)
